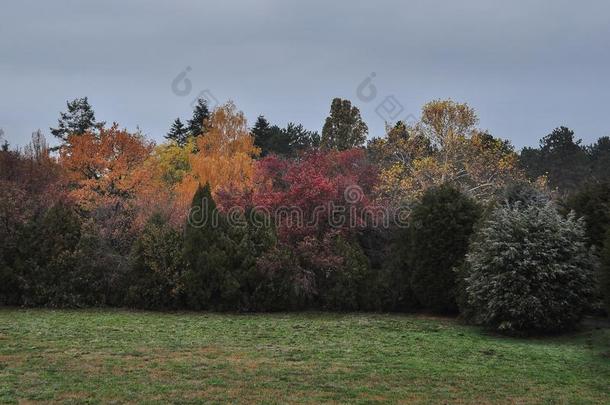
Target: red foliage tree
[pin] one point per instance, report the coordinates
(310, 196)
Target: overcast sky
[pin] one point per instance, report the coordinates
(525, 66)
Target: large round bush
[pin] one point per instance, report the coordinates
(528, 270)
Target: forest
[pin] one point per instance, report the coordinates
(436, 216)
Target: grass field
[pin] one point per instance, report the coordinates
(121, 356)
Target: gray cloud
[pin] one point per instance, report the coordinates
(526, 66)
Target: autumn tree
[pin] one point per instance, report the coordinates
(401, 144)
(157, 183)
(30, 182)
(100, 171)
(444, 147)
(77, 120)
(99, 165)
(344, 128)
(318, 203)
(310, 187)
(224, 155)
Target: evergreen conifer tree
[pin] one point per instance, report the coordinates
(178, 133)
(201, 113)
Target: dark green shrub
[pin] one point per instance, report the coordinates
(10, 293)
(221, 253)
(394, 282)
(528, 271)
(250, 238)
(343, 275)
(156, 267)
(54, 262)
(10, 290)
(605, 272)
(441, 226)
(593, 204)
(281, 283)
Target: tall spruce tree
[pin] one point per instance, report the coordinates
(205, 251)
(178, 133)
(262, 133)
(78, 119)
(344, 128)
(201, 113)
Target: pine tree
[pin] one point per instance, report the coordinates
(344, 128)
(178, 133)
(205, 252)
(201, 113)
(78, 119)
(262, 135)
(300, 139)
(282, 141)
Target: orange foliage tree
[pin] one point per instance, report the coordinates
(223, 156)
(99, 167)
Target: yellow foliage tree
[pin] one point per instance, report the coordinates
(223, 156)
(157, 180)
(456, 152)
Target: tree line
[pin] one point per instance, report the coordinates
(516, 241)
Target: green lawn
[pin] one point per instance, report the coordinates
(112, 355)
